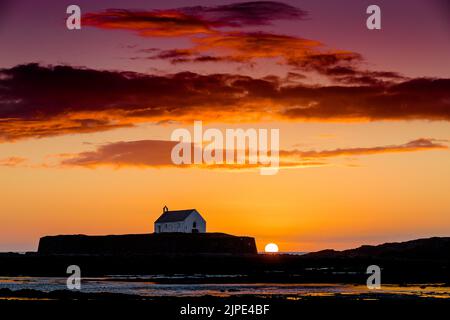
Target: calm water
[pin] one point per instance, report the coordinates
(148, 286)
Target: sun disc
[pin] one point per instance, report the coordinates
(271, 248)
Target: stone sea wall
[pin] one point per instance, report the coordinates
(170, 243)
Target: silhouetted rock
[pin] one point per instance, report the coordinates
(161, 243)
(432, 248)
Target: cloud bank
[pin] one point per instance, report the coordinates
(156, 154)
(40, 101)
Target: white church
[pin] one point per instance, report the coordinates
(186, 221)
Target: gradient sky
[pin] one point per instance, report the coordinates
(364, 114)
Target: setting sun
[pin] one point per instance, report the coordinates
(271, 247)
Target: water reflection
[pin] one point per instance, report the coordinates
(152, 286)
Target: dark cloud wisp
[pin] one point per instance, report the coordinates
(193, 20)
(156, 153)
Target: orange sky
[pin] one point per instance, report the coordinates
(351, 201)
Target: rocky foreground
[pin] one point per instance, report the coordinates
(418, 261)
(269, 307)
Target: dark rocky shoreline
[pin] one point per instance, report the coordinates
(249, 268)
(423, 262)
(120, 305)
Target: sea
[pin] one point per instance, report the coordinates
(152, 286)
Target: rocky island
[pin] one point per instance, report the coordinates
(142, 244)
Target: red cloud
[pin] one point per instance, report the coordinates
(164, 23)
(193, 20)
(300, 54)
(156, 153)
(152, 153)
(414, 145)
(12, 161)
(211, 42)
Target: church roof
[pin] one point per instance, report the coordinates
(174, 216)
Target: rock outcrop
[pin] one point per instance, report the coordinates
(432, 248)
